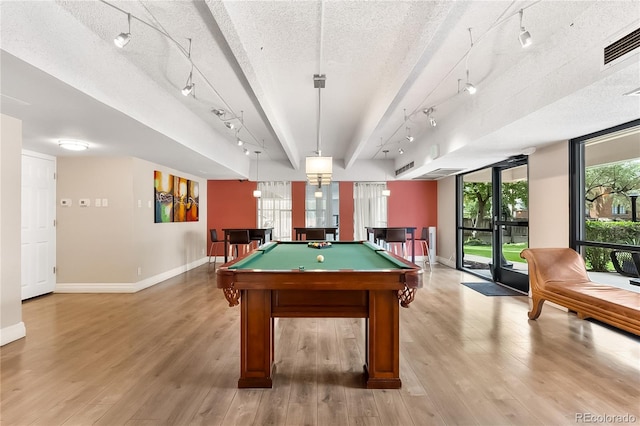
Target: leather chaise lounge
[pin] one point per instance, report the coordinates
(559, 275)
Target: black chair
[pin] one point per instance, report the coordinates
(626, 263)
(214, 241)
(239, 238)
(395, 237)
(316, 234)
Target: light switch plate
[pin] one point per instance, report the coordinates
(84, 202)
(65, 202)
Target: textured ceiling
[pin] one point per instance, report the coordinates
(385, 62)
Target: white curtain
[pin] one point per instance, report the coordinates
(370, 208)
(274, 209)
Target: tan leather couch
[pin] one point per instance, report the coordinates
(559, 275)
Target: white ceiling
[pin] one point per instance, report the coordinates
(385, 62)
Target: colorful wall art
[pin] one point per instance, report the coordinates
(176, 198)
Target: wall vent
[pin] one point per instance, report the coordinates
(438, 173)
(622, 46)
(404, 168)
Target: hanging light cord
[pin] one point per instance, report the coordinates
(318, 150)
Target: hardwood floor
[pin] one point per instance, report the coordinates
(170, 355)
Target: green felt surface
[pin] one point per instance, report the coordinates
(341, 255)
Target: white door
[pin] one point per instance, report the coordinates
(38, 224)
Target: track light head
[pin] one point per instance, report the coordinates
(401, 151)
(189, 85)
(188, 89)
(246, 151)
(229, 125)
(470, 88)
(525, 38)
(219, 112)
(429, 113)
(410, 138)
(240, 142)
(124, 38)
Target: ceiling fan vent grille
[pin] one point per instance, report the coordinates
(404, 168)
(621, 47)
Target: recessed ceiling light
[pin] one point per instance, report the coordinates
(73, 145)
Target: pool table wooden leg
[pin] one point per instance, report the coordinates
(383, 353)
(256, 339)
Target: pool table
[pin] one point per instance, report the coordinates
(357, 279)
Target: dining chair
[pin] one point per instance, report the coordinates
(239, 239)
(214, 242)
(424, 246)
(394, 238)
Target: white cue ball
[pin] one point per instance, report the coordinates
(320, 258)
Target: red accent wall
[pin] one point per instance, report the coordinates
(298, 194)
(230, 205)
(346, 211)
(413, 203)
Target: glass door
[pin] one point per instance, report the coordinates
(511, 225)
(476, 229)
(493, 223)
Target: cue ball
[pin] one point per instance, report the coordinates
(320, 258)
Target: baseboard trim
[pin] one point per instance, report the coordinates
(127, 287)
(12, 333)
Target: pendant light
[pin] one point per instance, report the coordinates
(386, 191)
(257, 193)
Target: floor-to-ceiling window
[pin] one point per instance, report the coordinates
(605, 187)
(322, 205)
(274, 208)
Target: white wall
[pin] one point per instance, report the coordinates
(11, 325)
(119, 248)
(549, 196)
(446, 233)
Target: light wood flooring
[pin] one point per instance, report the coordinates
(170, 355)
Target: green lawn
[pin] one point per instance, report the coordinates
(511, 251)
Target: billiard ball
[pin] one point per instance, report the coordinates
(320, 258)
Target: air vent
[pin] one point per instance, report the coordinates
(404, 168)
(621, 47)
(438, 173)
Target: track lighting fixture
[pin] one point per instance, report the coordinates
(239, 141)
(229, 125)
(219, 112)
(429, 113)
(401, 151)
(524, 37)
(246, 151)
(470, 88)
(124, 38)
(409, 137)
(190, 85)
